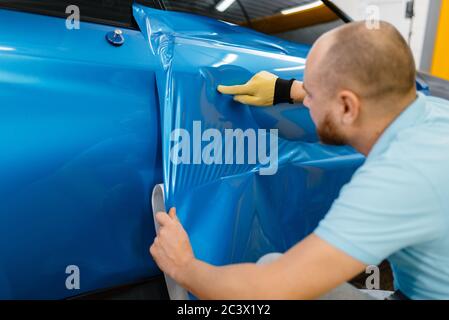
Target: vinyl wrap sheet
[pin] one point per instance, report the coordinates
(231, 212)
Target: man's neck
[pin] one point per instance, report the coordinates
(369, 134)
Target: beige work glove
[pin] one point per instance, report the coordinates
(258, 91)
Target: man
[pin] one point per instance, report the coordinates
(359, 85)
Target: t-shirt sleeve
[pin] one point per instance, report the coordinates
(384, 209)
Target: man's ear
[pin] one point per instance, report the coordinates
(349, 107)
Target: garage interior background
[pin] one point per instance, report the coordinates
(427, 31)
(430, 28)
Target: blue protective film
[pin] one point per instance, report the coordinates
(232, 211)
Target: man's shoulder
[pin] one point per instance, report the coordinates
(436, 114)
(427, 141)
(440, 102)
(419, 155)
(396, 185)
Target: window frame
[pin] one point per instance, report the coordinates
(23, 7)
(328, 3)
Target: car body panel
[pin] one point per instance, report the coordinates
(434, 86)
(80, 153)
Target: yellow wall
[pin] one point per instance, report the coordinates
(440, 64)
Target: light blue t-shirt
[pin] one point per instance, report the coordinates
(396, 205)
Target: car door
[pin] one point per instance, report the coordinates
(79, 149)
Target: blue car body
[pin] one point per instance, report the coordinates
(81, 144)
(80, 153)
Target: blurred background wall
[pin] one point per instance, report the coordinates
(427, 32)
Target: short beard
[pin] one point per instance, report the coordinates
(329, 133)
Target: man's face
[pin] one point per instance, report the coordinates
(323, 118)
(321, 103)
(329, 133)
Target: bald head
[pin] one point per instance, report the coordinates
(373, 63)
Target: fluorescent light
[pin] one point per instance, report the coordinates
(223, 5)
(302, 7)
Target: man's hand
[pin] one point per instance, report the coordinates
(171, 248)
(258, 91)
(266, 89)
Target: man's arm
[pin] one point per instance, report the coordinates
(308, 270)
